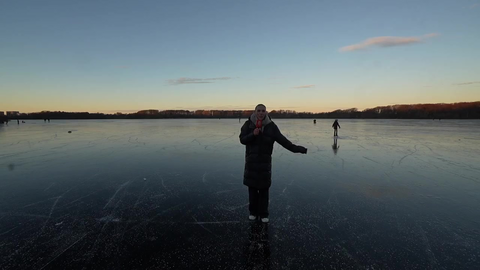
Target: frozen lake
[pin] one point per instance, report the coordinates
(168, 194)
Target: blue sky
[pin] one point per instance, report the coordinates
(108, 56)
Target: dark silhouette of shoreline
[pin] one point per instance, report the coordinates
(462, 110)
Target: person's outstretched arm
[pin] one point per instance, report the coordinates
(288, 144)
(246, 136)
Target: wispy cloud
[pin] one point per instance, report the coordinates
(466, 83)
(475, 6)
(304, 86)
(184, 80)
(431, 35)
(386, 41)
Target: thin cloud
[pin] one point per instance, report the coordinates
(466, 83)
(386, 41)
(431, 35)
(184, 80)
(304, 86)
(474, 6)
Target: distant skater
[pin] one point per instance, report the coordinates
(258, 134)
(335, 126)
(18, 122)
(314, 121)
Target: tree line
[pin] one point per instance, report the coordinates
(462, 110)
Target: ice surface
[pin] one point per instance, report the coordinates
(168, 194)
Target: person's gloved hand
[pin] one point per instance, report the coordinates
(302, 149)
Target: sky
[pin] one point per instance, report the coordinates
(317, 56)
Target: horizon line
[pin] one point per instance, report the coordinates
(193, 110)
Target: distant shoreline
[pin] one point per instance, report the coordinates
(461, 110)
(241, 118)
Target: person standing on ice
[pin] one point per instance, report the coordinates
(258, 134)
(335, 126)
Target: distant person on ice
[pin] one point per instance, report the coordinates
(335, 126)
(258, 134)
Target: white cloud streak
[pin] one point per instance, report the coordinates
(184, 80)
(386, 41)
(304, 86)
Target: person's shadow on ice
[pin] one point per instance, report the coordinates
(335, 145)
(257, 248)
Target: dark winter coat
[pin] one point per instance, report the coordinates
(258, 154)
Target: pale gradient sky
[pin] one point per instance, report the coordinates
(322, 55)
